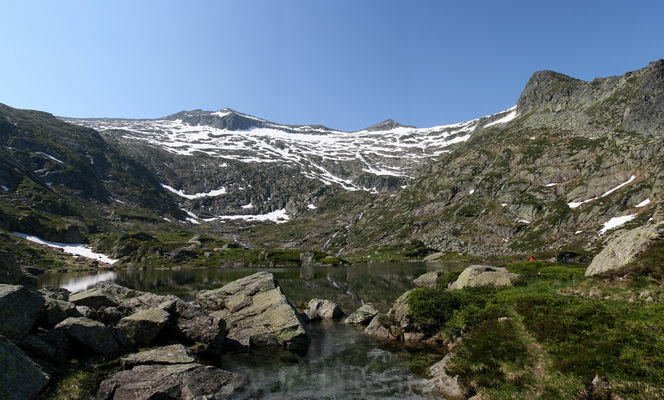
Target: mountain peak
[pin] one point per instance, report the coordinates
(386, 126)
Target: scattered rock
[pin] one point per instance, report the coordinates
(20, 377)
(56, 311)
(94, 298)
(484, 275)
(442, 384)
(434, 256)
(323, 309)
(382, 328)
(192, 323)
(257, 313)
(92, 334)
(87, 312)
(427, 280)
(55, 293)
(362, 316)
(142, 327)
(19, 310)
(599, 389)
(173, 354)
(179, 381)
(624, 249)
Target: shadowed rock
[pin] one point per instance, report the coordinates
(173, 354)
(20, 377)
(362, 316)
(92, 334)
(19, 310)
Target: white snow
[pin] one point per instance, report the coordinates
(79, 249)
(577, 232)
(503, 204)
(248, 206)
(551, 184)
(643, 203)
(81, 283)
(471, 191)
(576, 204)
(616, 222)
(278, 216)
(525, 221)
(507, 118)
(212, 193)
(49, 156)
(5, 188)
(311, 207)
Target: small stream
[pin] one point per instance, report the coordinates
(341, 363)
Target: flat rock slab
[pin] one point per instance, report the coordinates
(20, 378)
(142, 327)
(95, 298)
(181, 381)
(484, 275)
(257, 313)
(92, 334)
(173, 354)
(362, 316)
(19, 310)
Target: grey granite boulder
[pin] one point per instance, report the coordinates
(427, 280)
(92, 334)
(20, 377)
(19, 310)
(172, 354)
(624, 248)
(257, 313)
(322, 309)
(56, 311)
(178, 381)
(193, 324)
(442, 384)
(94, 298)
(362, 316)
(142, 327)
(484, 275)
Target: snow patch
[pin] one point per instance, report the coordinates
(212, 193)
(49, 156)
(507, 118)
(643, 203)
(79, 249)
(278, 216)
(616, 222)
(311, 207)
(246, 206)
(471, 191)
(576, 204)
(5, 188)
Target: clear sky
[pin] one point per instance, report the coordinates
(344, 64)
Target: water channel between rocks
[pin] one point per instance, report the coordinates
(341, 362)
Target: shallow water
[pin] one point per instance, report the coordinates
(341, 362)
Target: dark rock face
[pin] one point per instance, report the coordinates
(20, 377)
(141, 328)
(94, 298)
(19, 311)
(179, 381)
(362, 316)
(91, 334)
(56, 311)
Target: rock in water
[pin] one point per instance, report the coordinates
(484, 275)
(173, 354)
(323, 309)
(442, 384)
(194, 324)
(19, 310)
(92, 334)
(624, 249)
(257, 313)
(427, 280)
(142, 327)
(180, 381)
(362, 316)
(20, 377)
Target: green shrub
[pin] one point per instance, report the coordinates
(431, 308)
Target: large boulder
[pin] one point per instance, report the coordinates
(442, 384)
(382, 328)
(142, 327)
(193, 324)
(624, 248)
(19, 310)
(363, 315)
(484, 275)
(56, 311)
(94, 298)
(20, 377)
(179, 381)
(257, 313)
(91, 334)
(427, 280)
(322, 309)
(10, 271)
(172, 354)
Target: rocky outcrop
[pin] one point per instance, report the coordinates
(19, 310)
(383, 328)
(56, 311)
(397, 324)
(363, 315)
(172, 354)
(427, 280)
(92, 334)
(178, 381)
(193, 324)
(94, 298)
(20, 377)
(142, 327)
(624, 249)
(322, 309)
(442, 384)
(484, 275)
(257, 313)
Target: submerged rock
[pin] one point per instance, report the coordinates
(624, 249)
(142, 327)
(257, 313)
(20, 377)
(362, 316)
(484, 275)
(323, 309)
(173, 354)
(19, 310)
(179, 381)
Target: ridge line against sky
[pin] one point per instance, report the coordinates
(344, 64)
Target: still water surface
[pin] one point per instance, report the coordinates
(341, 363)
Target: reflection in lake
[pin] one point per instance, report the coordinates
(341, 362)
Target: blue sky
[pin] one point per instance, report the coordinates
(344, 64)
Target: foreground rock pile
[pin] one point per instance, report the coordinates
(40, 331)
